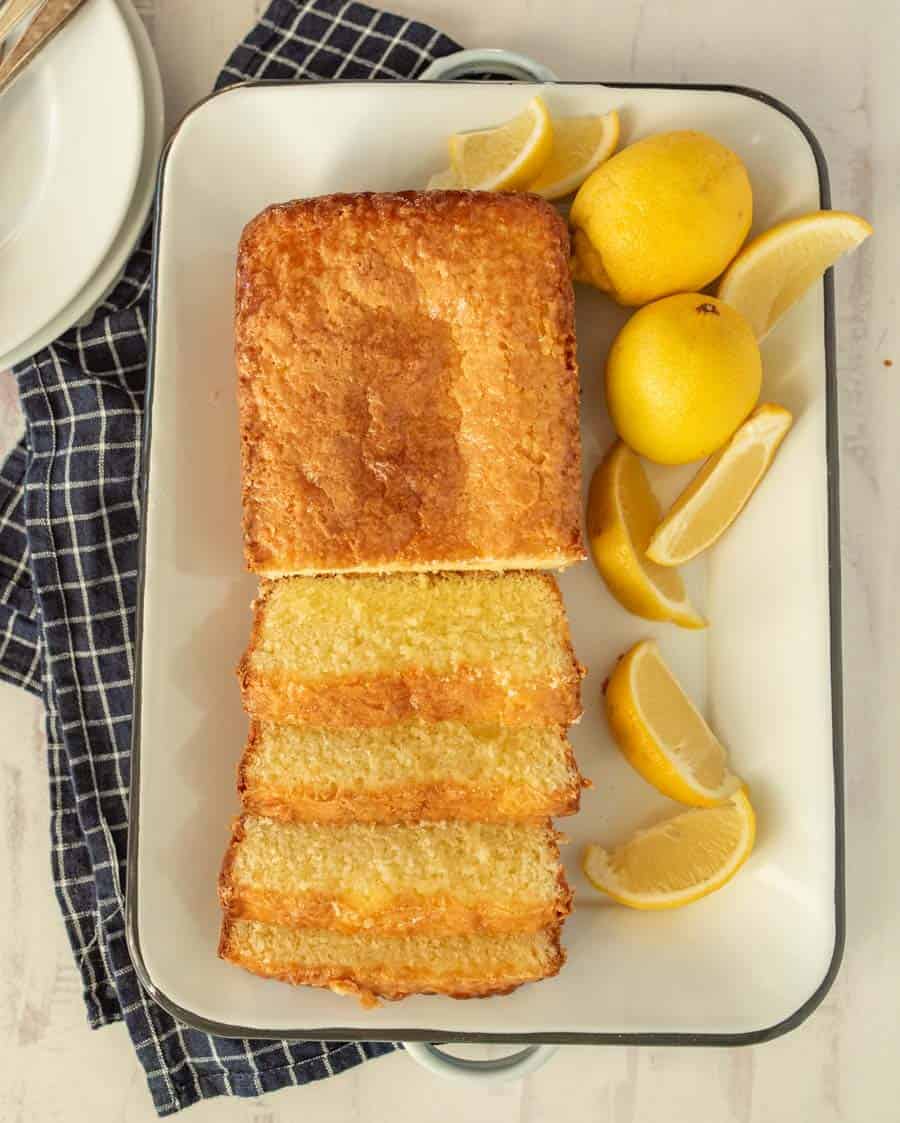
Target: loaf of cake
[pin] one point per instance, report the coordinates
(447, 878)
(375, 650)
(372, 966)
(407, 385)
(411, 771)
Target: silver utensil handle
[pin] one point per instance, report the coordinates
(13, 13)
(51, 18)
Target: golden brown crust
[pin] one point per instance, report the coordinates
(424, 803)
(469, 694)
(475, 802)
(371, 985)
(432, 914)
(386, 699)
(407, 385)
(226, 879)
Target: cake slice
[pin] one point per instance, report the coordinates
(376, 650)
(437, 878)
(373, 966)
(407, 385)
(412, 771)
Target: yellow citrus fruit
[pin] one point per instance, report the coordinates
(622, 514)
(772, 272)
(681, 375)
(580, 144)
(664, 215)
(721, 489)
(444, 180)
(679, 860)
(508, 157)
(661, 733)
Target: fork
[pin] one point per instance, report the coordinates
(13, 12)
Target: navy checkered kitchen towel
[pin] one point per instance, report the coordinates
(68, 585)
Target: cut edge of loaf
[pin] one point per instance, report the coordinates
(376, 982)
(386, 699)
(407, 802)
(436, 916)
(558, 561)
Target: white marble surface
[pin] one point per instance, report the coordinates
(836, 62)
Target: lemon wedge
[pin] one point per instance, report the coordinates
(508, 157)
(773, 271)
(622, 514)
(679, 860)
(580, 144)
(445, 180)
(721, 489)
(661, 733)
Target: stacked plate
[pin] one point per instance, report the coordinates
(80, 136)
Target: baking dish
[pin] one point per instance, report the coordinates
(741, 966)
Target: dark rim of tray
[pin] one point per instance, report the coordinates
(373, 1033)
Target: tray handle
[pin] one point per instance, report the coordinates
(498, 1071)
(481, 60)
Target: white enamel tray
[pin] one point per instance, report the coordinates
(740, 966)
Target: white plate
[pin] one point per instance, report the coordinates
(741, 965)
(72, 134)
(107, 273)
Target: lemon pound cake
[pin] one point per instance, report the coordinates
(407, 385)
(414, 770)
(373, 967)
(374, 650)
(440, 878)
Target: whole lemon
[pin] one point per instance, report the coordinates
(681, 376)
(665, 215)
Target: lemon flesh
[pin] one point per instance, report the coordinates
(721, 489)
(681, 376)
(666, 214)
(505, 158)
(679, 860)
(661, 733)
(580, 144)
(773, 271)
(622, 514)
(444, 180)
